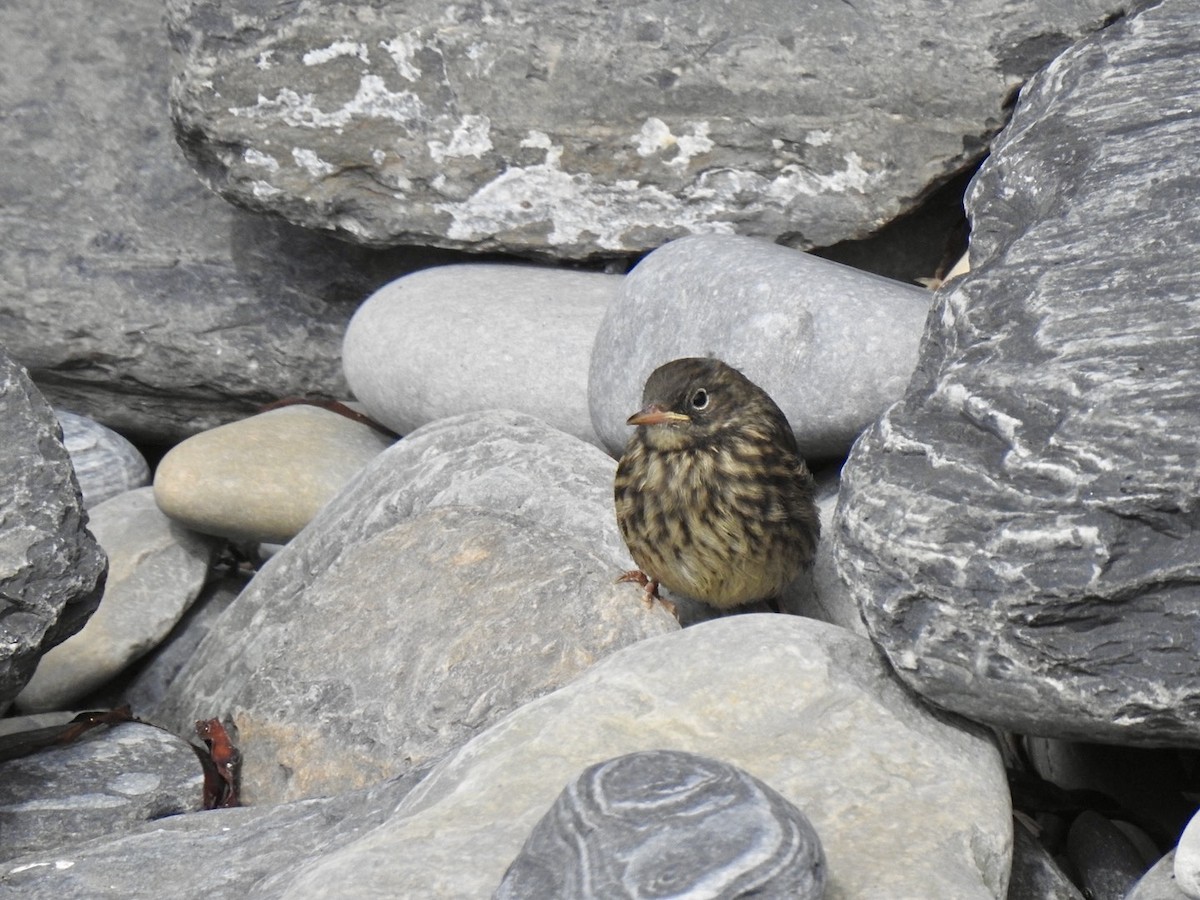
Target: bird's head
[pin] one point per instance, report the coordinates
(689, 402)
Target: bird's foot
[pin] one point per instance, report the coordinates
(651, 591)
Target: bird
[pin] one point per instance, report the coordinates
(712, 496)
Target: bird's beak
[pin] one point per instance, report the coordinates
(656, 415)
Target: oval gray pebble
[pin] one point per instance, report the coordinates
(664, 823)
(832, 345)
(105, 463)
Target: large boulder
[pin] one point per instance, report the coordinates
(579, 129)
(1022, 531)
(130, 291)
(905, 802)
(465, 571)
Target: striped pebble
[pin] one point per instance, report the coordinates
(663, 823)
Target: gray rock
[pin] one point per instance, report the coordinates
(459, 339)
(105, 463)
(1187, 860)
(252, 850)
(907, 804)
(1108, 864)
(1019, 530)
(832, 345)
(825, 596)
(130, 292)
(1159, 883)
(108, 781)
(148, 686)
(666, 823)
(457, 553)
(1142, 784)
(51, 568)
(263, 478)
(1035, 875)
(156, 570)
(557, 128)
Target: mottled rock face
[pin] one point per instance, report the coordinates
(51, 568)
(667, 823)
(129, 291)
(1023, 530)
(577, 129)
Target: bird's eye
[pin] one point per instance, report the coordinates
(700, 399)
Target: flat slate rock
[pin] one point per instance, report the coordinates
(108, 781)
(51, 568)
(576, 130)
(1021, 530)
(668, 823)
(246, 852)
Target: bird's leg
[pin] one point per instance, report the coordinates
(651, 593)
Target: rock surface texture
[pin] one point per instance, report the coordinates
(107, 782)
(879, 777)
(129, 291)
(556, 127)
(156, 569)
(1022, 531)
(465, 571)
(666, 823)
(51, 568)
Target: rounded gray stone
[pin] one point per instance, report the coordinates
(105, 463)
(263, 478)
(156, 570)
(832, 345)
(668, 823)
(1160, 883)
(459, 339)
(1187, 860)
